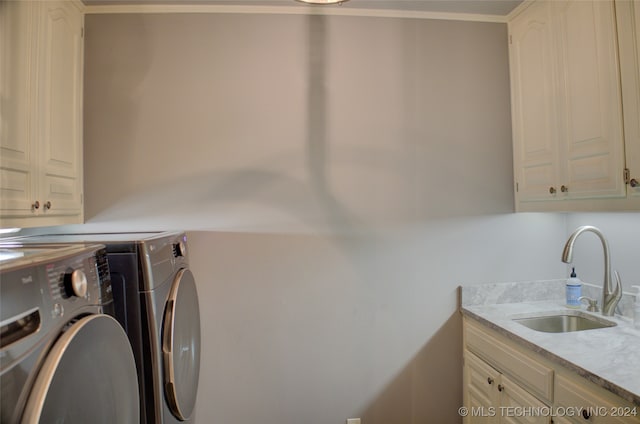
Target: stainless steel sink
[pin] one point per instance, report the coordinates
(564, 322)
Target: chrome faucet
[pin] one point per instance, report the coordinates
(610, 296)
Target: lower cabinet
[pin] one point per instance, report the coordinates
(492, 397)
(504, 382)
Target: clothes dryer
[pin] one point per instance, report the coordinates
(62, 359)
(156, 301)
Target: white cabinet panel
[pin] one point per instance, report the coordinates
(534, 112)
(481, 396)
(17, 184)
(60, 106)
(41, 127)
(590, 97)
(566, 105)
(519, 406)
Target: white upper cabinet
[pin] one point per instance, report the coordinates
(41, 125)
(569, 145)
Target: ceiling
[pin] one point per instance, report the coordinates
(477, 7)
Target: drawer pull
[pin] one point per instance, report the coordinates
(586, 414)
(500, 387)
(489, 380)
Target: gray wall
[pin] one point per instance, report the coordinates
(317, 329)
(340, 176)
(295, 123)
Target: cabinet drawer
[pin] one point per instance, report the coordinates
(534, 376)
(600, 406)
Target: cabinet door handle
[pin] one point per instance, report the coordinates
(500, 387)
(489, 380)
(35, 205)
(564, 189)
(552, 190)
(47, 205)
(634, 183)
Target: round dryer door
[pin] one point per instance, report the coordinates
(89, 376)
(181, 345)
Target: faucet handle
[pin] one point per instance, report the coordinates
(593, 303)
(617, 291)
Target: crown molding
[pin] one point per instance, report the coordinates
(521, 7)
(280, 10)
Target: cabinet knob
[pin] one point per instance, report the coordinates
(500, 387)
(35, 205)
(586, 414)
(552, 190)
(564, 189)
(634, 183)
(489, 380)
(47, 205)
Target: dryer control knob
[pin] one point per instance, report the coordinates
(75, 283)
(180, 249)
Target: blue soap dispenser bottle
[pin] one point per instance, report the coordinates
(574, 290)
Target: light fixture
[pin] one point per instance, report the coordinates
(323, 1)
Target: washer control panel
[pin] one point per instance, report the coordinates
(84, 276)
(68, 280)
(45, 285)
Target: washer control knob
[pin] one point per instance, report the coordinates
(75, 283)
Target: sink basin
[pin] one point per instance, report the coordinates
(564, 322)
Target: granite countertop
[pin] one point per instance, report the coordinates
(609, 357)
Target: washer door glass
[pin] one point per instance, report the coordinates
(181, 345)
(89, 376)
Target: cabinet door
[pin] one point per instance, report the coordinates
(59, 107)
(533, 106)
(17, 41)
(592, 145)
(519, 406)
(481, 396)
(628, 20)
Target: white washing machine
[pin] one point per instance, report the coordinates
(62, 359)
(156, 301)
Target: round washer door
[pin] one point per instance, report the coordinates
(89, 376)
(181, 345)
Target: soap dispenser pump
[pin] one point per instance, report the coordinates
(636, 308)
(574, 290)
